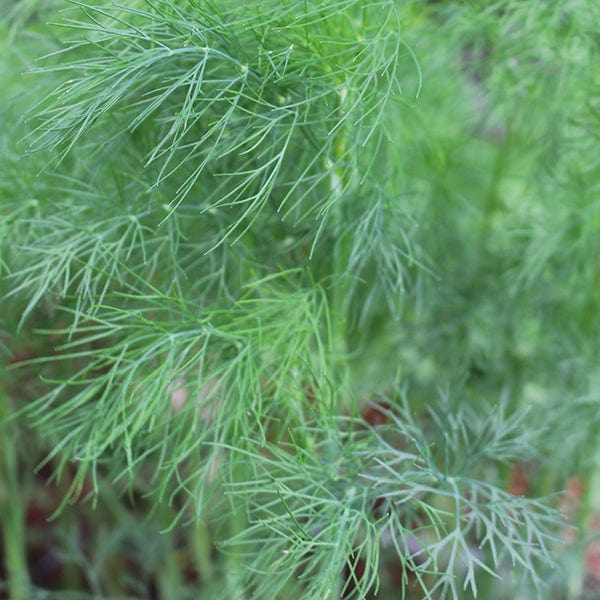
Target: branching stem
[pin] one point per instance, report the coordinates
(11, 508)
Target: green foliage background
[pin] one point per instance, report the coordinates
(291, 291)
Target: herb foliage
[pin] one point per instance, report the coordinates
(245, 245)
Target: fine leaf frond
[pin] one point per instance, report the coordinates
(160, 63)
(361, 491)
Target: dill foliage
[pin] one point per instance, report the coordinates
(243, 246)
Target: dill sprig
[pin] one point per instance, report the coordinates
(242, 248)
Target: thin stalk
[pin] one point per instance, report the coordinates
(202, 548)
(339, 183)
(11, 509)
(587, 515)
(169, 576)
(235, 567)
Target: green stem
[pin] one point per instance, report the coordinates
(235, 567)
(11, 509)
(339, 184)
(169, 576)
(339, 312)
(202, 547)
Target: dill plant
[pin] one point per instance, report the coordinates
(246, 245)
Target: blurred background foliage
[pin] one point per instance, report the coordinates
(447, 238)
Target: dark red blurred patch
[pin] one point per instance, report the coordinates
(519, 480)
(376, 414)
(353, 572)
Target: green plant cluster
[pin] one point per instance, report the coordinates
(291, 289)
